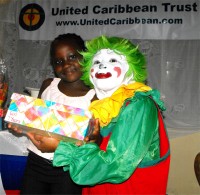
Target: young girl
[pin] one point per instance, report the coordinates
(40, 176)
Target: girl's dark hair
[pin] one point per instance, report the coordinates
(71, 37)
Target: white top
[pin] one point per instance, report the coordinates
(52, 93)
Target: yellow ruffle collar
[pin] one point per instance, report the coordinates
(108, 108)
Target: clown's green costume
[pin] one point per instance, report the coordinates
(134, 155)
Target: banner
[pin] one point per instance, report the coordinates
(148, 19)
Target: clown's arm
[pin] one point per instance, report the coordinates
(134, 138)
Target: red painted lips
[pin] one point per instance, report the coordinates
(103, 75)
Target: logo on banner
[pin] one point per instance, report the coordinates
(31, 17)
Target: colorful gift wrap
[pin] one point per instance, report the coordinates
(48, 118)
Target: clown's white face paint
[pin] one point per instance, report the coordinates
(108, 72)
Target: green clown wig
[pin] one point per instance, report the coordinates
(135, 59)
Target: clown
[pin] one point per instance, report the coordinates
(134, 155)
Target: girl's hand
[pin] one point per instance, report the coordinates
(43, 143)
(15, 128)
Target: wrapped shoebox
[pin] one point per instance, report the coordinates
(48, 118)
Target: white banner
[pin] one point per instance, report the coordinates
(147, 19)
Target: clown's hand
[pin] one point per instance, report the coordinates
(93, 135)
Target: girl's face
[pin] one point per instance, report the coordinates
(66, 61)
